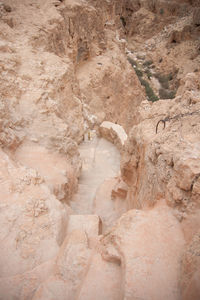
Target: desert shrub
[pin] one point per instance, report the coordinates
(167, 94)
(134, 65)
(132, 62)
(147, 63)
(149, 74)
(149, 92)
(138, 72)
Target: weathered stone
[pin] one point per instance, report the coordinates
(143, 243)
(64, 70)
(114, 133)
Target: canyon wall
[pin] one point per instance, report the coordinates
(71, 68)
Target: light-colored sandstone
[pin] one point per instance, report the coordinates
(143, 242)
(32, 219)
(114, 133)
(71, 226)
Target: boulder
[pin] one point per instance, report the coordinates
(142, 241)
(114, 133)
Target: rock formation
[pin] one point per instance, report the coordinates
(100, 151)
(114, 133)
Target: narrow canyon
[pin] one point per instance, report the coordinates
(100, 150)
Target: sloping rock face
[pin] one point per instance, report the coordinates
(32, 219)
(49, 44)
(46, 50)
(161, 156)
(150, 267)
(114, 133)
(106, 96)
(162, 160)
(191, 269)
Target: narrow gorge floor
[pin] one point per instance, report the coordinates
(101, 161)
(100, 167)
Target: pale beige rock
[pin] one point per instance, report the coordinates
(56, 170)
(143, 242)
(114, 133)
(103, 281)
(191, 270)
(88, 223)
(110, 205)
(63, 71)
(100, 161)
(32, 219)
(70, 269)
(166, 164)
(106, 83)
(23, 286)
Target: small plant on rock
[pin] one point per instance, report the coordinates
(138, 72)
(132, 62)
(147, 63)
(149, 91)
(149, 74)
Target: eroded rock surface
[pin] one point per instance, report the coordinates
(72, 224)
(114, 133)
(142, 241)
